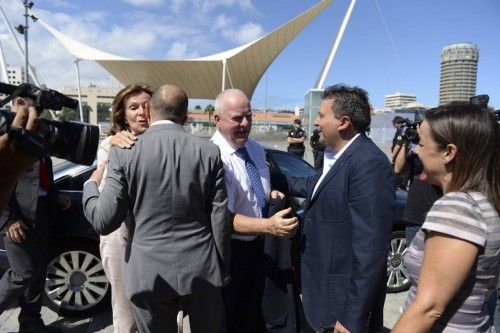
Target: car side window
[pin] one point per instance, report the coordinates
(290, 165)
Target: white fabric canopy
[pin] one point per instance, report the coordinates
(201, 77)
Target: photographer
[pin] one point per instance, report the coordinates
(13, 162)
(25, 226)
(401, 176)
(421, 195)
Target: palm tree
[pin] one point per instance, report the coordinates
(210, 110)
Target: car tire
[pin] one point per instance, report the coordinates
(397, 276)
(76, 285)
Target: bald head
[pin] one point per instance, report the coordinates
(228, 98)
(169, 102)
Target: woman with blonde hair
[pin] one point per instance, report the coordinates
(454, 260)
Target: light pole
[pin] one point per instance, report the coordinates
(23, 30)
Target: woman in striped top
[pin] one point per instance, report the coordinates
(454, 261)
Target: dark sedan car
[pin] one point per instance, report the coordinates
(76, 285)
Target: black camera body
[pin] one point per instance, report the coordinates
(410, 134)
(73, 141)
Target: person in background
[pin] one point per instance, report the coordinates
(128, 112)
(14, 162)
(25, 225)
(318, 149)
(421, 194)
(402, 175)
(454, 260)
(296, 138)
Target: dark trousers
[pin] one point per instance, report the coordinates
(25, 279)
(299, 152)
(159, 315)
(242, 295)
(318, 156)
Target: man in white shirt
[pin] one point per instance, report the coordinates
(248, 188)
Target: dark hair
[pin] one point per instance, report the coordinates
(118, 106)
(170, 102)
(351, 102)
(476, 134)
(297, 121)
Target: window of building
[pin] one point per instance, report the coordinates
(103, 112)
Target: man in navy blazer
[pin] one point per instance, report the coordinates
(347, 219)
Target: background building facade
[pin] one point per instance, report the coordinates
(458, 72)
(398, 100)
(15, 75)
(98, 101)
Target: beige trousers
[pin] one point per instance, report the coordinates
(112, 249)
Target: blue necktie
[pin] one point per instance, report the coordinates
(255, 182)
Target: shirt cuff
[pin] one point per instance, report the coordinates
(91, 180)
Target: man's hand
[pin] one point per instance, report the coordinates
(97, 174)
(14, 230)
(26, 117)
(63, 201)
(275, 194)
(340, 329)
(12, 161)
(226, 280)
(123, 139)
(281, 226)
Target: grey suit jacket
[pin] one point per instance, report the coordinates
(173, 185)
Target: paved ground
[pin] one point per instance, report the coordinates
(102, 322)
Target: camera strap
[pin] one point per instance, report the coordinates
(19, 90)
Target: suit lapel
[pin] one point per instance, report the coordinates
(339, 164)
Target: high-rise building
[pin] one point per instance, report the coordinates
(458, 72)
(399, 100)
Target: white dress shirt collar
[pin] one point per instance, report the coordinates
(329, 160)
(160, 122)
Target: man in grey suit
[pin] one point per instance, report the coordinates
(172, 183)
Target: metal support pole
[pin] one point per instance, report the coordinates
(328, 63)
(80, 107)
(26, 62)
(224, 61)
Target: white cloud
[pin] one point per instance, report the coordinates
(245, 33)
(180, 51)
(223, 21)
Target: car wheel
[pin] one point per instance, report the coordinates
(397, 276)
(76, 285)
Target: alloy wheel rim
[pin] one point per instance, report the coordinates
(397, 274)
(76, 280)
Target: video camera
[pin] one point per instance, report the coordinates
(73, 141)
(410, 134)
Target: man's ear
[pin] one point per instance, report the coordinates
(216, 117)
(345, 122)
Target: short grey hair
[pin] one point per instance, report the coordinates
(219, 100)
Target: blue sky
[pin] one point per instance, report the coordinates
(161, 29)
